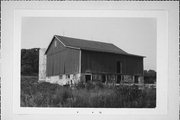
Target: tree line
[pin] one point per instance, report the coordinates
(149, 76)
(30, 62)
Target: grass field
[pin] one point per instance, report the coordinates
(34, 94)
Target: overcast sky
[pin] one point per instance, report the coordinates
(133, 35)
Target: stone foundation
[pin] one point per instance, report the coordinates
(113, 78)
(64, 79)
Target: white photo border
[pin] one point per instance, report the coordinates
(9, 9)
(161, 59)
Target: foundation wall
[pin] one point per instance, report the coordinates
(112, 78)
(141, 80)
(64, 79)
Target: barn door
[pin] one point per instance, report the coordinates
(103, 78)
(88, 78)
(119, 67)
(135, 79)
(118, 79)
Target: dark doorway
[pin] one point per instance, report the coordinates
(88, 78)
(135, 79)
(103, 78)
(118, 79)
(119, 67)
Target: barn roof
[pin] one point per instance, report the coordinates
(90, 45)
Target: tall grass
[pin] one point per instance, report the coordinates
(34, 94)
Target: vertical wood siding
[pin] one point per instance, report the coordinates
(99, 62)
(61, 60)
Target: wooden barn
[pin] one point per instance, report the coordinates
(70, 60)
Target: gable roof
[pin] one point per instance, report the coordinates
(76, 43)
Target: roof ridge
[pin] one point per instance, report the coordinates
(68, 46)
(76, 43)
(99, 45)
(85, 39)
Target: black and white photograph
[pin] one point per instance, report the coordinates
(92, 60)
(88, 62)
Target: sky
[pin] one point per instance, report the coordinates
(133, 35)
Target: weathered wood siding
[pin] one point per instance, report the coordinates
(61, 60)
(99, 62)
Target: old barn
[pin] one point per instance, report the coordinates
(69, 60)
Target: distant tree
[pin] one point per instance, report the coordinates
(145, 72)
(30, 61)
(149, 76)
(152, 73)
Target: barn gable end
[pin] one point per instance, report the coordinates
(61, 59)
(54, 46)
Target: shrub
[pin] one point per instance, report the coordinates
(89, 85)
(80, 85)
(99, 84)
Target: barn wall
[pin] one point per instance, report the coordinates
(99, 62)
(134, 65)
(61, 60)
